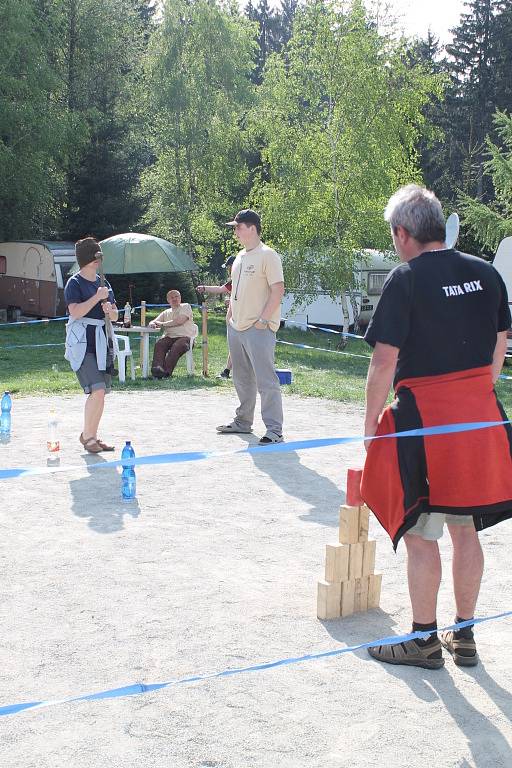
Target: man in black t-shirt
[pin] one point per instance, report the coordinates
(89, 303)
(439, 334)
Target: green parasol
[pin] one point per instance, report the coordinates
(134, 253)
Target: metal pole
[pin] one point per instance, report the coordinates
(204, 310)
(142, 340)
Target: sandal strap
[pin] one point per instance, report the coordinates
(458, 643)
(104, 446)
(92, 446)
(408, 651)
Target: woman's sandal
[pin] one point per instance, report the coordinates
(410, 654)
(462, 649)
(92, 446)
(102, 446)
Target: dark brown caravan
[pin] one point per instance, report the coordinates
(32, 277)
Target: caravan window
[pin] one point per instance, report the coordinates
(3, 265)
(375, 282)
(63, 272)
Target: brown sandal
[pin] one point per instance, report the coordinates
(409, 653)
(103, 446)
(462, 649)
(92, 446)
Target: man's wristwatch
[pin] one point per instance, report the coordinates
(262, 321)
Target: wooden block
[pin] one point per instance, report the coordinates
(369, 557)
(347, 597)
(364, 522)
(355, 562)
(354, 487)
(328, 600)
(361, 594)
(349, 524)
(336, 562)
(374, 587)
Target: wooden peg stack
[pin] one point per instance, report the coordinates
(350, 583)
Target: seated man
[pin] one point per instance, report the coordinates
(178, 329)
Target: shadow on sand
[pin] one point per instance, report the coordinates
(489, 747)
(295, 479)
(97, 497)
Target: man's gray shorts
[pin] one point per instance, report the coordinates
(90, 377)
(430, 526)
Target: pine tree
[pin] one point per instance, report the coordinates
(274, 30)
(480, 57)
(490, 223)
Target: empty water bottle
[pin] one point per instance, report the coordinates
(5, 414)
(52, 441)
(127, 315)
(128, 480)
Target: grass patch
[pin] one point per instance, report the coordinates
(326, 374)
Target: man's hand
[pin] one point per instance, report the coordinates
(260, 326)
(154, 324)
(102, 293)
(380, 377)
(369, 430)
(107, 306)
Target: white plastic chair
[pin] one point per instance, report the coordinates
(189, 355)
(122, 355)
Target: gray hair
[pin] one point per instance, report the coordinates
(417, 210)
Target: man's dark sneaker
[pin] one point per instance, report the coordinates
(269, 438)
(225, 374)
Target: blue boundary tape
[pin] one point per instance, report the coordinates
(297, 445)
(139, 688)
(32, 346)
(33, 322)
(322, 349)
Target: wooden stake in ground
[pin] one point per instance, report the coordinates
(350, 583)
(204, 330)
(143, 323)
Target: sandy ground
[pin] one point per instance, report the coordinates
(215, 566)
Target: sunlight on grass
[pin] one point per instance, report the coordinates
(43, 370)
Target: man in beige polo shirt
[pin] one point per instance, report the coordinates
(253, 318)
(178, 329)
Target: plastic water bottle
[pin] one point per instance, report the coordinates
(128, 480)
(52, 442)
(127, 316)
(5, 414)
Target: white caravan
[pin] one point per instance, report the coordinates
(354, 308)
(340, 313)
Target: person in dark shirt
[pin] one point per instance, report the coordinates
(439, 334)
(88, 305)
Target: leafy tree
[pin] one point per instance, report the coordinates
(338, 122)
(30, 124)
(199, 63)
(491, 222)
(105, 154)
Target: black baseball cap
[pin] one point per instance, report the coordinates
(245, 216)
(229, 261)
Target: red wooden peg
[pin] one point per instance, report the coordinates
(354, 477)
